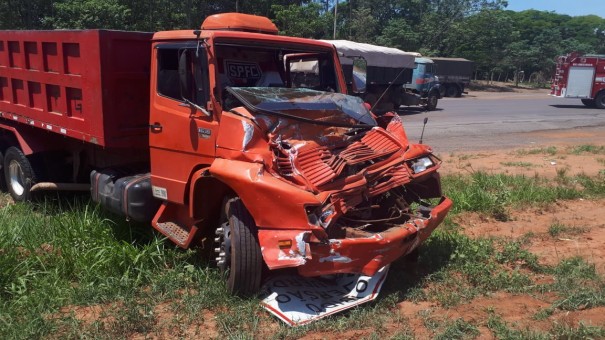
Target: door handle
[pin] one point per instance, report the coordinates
(155, 127)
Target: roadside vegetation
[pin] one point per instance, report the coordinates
(506, 45)
(67, 269)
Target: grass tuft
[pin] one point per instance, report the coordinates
(588, 148)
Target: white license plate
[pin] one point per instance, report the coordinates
(298, 300)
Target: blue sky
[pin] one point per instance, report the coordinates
(570, 7)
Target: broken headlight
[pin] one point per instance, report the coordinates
(421, 164)
(320, 215)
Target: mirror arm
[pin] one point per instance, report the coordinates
(195, 106)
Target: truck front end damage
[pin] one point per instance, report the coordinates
(331, 188)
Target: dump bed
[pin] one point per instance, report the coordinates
(454, 70)
(92, 85)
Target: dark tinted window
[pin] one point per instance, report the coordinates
(168, 73)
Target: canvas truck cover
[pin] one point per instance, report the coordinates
(385, 65)
(379, 56)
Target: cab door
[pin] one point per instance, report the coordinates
(183, 133)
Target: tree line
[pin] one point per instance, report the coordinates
(500, 41)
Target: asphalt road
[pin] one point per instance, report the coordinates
(500, 121)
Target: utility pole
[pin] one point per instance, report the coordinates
(335, 17)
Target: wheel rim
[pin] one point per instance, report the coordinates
(223, 251)
(16, 178)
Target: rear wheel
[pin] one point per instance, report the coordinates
(451, 91)
(239, 254)
(600, 100)
(588, 102)
(19, 175)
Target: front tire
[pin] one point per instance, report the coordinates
(19, 175)
(431, 101)
(600, 100)
(239, 251)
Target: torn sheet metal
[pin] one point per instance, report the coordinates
(300, 300)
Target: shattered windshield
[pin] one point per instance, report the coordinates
(326, 108)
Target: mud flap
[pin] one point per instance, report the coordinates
(300, 300)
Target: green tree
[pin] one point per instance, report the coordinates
(520, 54)
(88, 14)
(364, 26)
(309, 21)
(482, 38)
(400, 34)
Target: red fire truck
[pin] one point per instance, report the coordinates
(580, 76)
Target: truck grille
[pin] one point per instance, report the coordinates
(367, 167)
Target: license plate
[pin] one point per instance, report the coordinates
(298, 300)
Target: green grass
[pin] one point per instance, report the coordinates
(62, 254)
(458, 329)
(551, 150)
(578, 285)
(502, 330)
(517, 164)
(495, 194)
(67, 254)
(557, 229)
(587, 148)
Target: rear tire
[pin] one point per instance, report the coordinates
(451, 91)
(242, 260)
(19, 175)
(600, 100)
(589, 102)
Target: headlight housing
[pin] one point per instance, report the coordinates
(421, 164)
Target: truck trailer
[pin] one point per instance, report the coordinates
(580, 76)
(211, 137)
(454, 75)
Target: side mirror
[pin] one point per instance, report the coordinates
(185, 75)
(360, 72)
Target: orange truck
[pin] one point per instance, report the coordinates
(213, 138)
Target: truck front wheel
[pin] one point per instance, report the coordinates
(239, 255)
(600, 100)
(431, 101)
(19, 175)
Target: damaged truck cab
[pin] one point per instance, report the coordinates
(266, 165)
(292, 170)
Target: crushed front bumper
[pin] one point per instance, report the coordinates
(348, 255)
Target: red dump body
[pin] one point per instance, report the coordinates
(91, 85)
